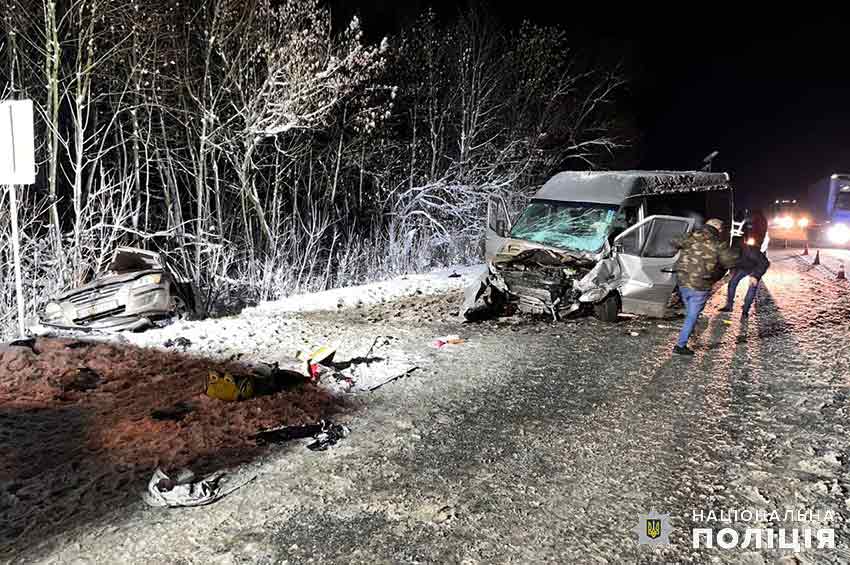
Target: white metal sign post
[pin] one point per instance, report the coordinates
(17, 166)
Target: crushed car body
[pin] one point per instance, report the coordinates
(138, 291)
(600, 241)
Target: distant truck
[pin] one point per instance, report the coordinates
(789, 221)
(829, 202)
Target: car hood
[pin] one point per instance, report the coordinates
(104, 281)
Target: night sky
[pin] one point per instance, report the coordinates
(770, 92)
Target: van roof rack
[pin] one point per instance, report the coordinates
(612, 187)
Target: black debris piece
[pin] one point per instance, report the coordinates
(174, 413)
(271, 379)
(81, 379)
(332, 434)
(180, 342)
(27, 342)
(325, 434)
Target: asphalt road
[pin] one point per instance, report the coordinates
(536, 442)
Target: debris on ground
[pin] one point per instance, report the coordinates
(183, 490)
(369, 377)
(441, 342)
(181, 342)
(251, 379)
(79, 379)
(173, 413)
(271, 378)
(29, 343)
(378, 365)
(15, 350)
(318, 361)
(228, 387)
(324, 433)
(322, 354)
(329, 437)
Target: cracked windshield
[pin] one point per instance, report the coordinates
(567, 225)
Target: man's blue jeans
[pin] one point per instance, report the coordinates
(694, 303)
(737, 276)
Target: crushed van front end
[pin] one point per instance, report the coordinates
(535, 280)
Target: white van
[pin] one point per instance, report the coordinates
(595, 240)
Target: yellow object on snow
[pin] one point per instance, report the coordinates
(321, 354)
(229, 388)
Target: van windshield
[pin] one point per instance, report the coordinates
(566, 225)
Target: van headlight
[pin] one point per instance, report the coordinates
(147, 280)
(838, 234)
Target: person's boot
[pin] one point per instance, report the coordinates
(682, 350)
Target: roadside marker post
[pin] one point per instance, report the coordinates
(17, 167)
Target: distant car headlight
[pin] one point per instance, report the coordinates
(751, 241)
(146, 280)
(786, 222)
(838, 234)
(803, 222)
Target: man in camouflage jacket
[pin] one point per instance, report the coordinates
(704, 259)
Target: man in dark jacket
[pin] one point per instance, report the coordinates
(703, 260)
(751, 263)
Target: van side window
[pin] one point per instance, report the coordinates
(659, 242)
(654, 239)
(631, 243)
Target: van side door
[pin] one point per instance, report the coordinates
(646, 255)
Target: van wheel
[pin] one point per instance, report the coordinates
(608, 309)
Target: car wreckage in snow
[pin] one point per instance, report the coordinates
(600, 241)
(140, 289)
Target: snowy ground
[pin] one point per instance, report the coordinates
(831, 260)
(271, 332)
(435, 282)
(529, 442)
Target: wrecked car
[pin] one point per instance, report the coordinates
(139, 290)
(594, 241)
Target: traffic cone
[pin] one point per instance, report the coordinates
(806, 249)
(817, 258)
(840, 275)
